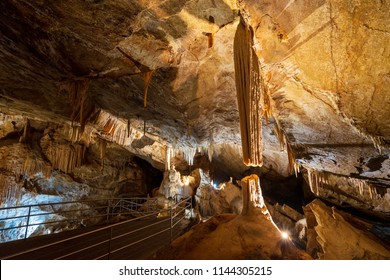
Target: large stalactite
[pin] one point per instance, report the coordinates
(82, 106)
(248, 85)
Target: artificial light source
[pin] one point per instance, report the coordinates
(285, 235)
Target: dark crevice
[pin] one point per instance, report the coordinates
(152, 176)
(376, 163)
(10, 139)
(288, 191)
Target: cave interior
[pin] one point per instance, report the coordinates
(271, 115)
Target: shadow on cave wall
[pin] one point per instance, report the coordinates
(152, 177)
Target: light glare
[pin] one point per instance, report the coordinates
(285, 235)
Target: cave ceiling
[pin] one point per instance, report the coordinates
(325, 65)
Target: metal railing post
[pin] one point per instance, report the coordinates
(171, 219)
(109, 244)
(28, 221)
(108, 211)
(189, 207)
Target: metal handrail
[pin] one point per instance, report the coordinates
(186, 201)
(64, 202)
(90, 213)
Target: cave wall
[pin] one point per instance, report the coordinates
(74, 111)
(38, 159)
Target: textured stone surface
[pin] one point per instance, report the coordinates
(328, 68)
(191, 99)
(344, 191)
(325, 66)
(29, 167)
(218, 199)
(251, 235)
(40, 164)
(340, 239)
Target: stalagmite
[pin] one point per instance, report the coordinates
(248, 85)
(171, 184)
(252, 197)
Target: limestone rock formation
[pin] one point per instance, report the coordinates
(212, 199)
(290, 221)
(41, 164)
(174, 184)
(97, 95)
(251, 235)
(320, 100)
(313, 248)
(340, 239)
(361, 194)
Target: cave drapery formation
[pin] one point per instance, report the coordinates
(247, 73)
(133, 98)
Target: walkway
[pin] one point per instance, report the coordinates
(137, 238)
